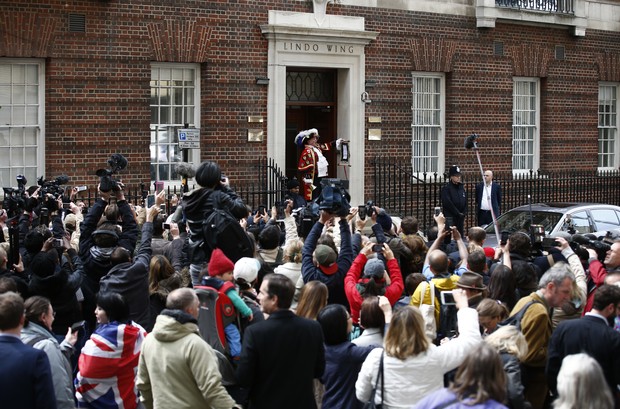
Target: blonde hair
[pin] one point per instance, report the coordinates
(405, 336)
(292, 252)
(510, 340)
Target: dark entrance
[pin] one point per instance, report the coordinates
(310, 103)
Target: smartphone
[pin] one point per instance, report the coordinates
(66, 205)
(159, 186)
(81, 188)
(76, 326)
(162, 208)
(437, 211)
(57, 243)
(447, 298)
(504, 238)
(150, 200)
(261, 209)
(377, 248)
(361, 212)
(166, 226)
(549, 242)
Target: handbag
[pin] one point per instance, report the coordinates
(428, 311)
(371, 401)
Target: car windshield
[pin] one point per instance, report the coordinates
(520, 220)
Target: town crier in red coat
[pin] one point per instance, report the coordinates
(312, 165)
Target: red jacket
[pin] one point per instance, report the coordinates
(392, 291)
(597, 275)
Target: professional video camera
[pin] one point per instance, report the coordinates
(305, 218)
(589, 241)
(117, 163)
(53, 187)
(334, 197)
(14, 199)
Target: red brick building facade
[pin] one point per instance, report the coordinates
(98, 61)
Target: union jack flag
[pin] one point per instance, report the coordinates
(108, 366)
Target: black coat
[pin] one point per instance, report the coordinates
(591, 335)
(279, 360)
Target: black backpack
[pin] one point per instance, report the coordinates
(515, 320)
(222, 230)
(448, 323)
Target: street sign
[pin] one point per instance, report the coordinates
(189, 138)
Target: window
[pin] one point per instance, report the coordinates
(525, 124)
(608, 126)
(21, 120)
(427, 127)
(175, 102)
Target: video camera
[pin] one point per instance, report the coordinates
(117, 162)
(588, 241)
(334, 197)
(15, 199)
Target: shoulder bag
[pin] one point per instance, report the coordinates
(371, 401)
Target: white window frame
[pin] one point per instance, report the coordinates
(423, 121)
(608, 123)
(8, 127)
(526, 119)
(193, 154)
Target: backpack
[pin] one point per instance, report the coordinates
(428, 311)
(516, 319)
(222, 230)
(448, 323)
(216, 312)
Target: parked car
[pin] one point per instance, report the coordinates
(556, 217)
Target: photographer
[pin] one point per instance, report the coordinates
(323, 264)
(96, 245)
(598, 271)
(214, 193)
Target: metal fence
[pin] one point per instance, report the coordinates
(402, 193)
(268, 188)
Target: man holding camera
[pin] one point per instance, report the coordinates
(323, 264)
(598, 271)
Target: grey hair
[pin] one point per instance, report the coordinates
(180, 299)
(581, 384)
(556, 275)
(508, 339)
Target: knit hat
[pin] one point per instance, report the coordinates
(326, 257)
(246, 268)
(219, 263)
(384, 220)
(471, 280)
(374, 268)
(44, 264)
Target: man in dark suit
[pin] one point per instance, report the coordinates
(592, 335)
(282, 355)
(488, 196)
(25, 374)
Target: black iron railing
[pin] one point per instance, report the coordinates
(397, 190)
(547, 6)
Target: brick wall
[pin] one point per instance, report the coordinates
(97, 83)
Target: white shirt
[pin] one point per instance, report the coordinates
(486, 197)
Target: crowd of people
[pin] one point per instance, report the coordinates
(129, 306)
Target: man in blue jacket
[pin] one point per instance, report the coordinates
(320, 262)
(25, 374)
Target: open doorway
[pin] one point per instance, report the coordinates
(310, 103)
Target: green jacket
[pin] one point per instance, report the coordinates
(178, 369)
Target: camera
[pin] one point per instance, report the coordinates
(549, 242)
(334, 197)
(117, 162)
(377, 248)
(599, 246)
(370, 208)
(53, 188)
